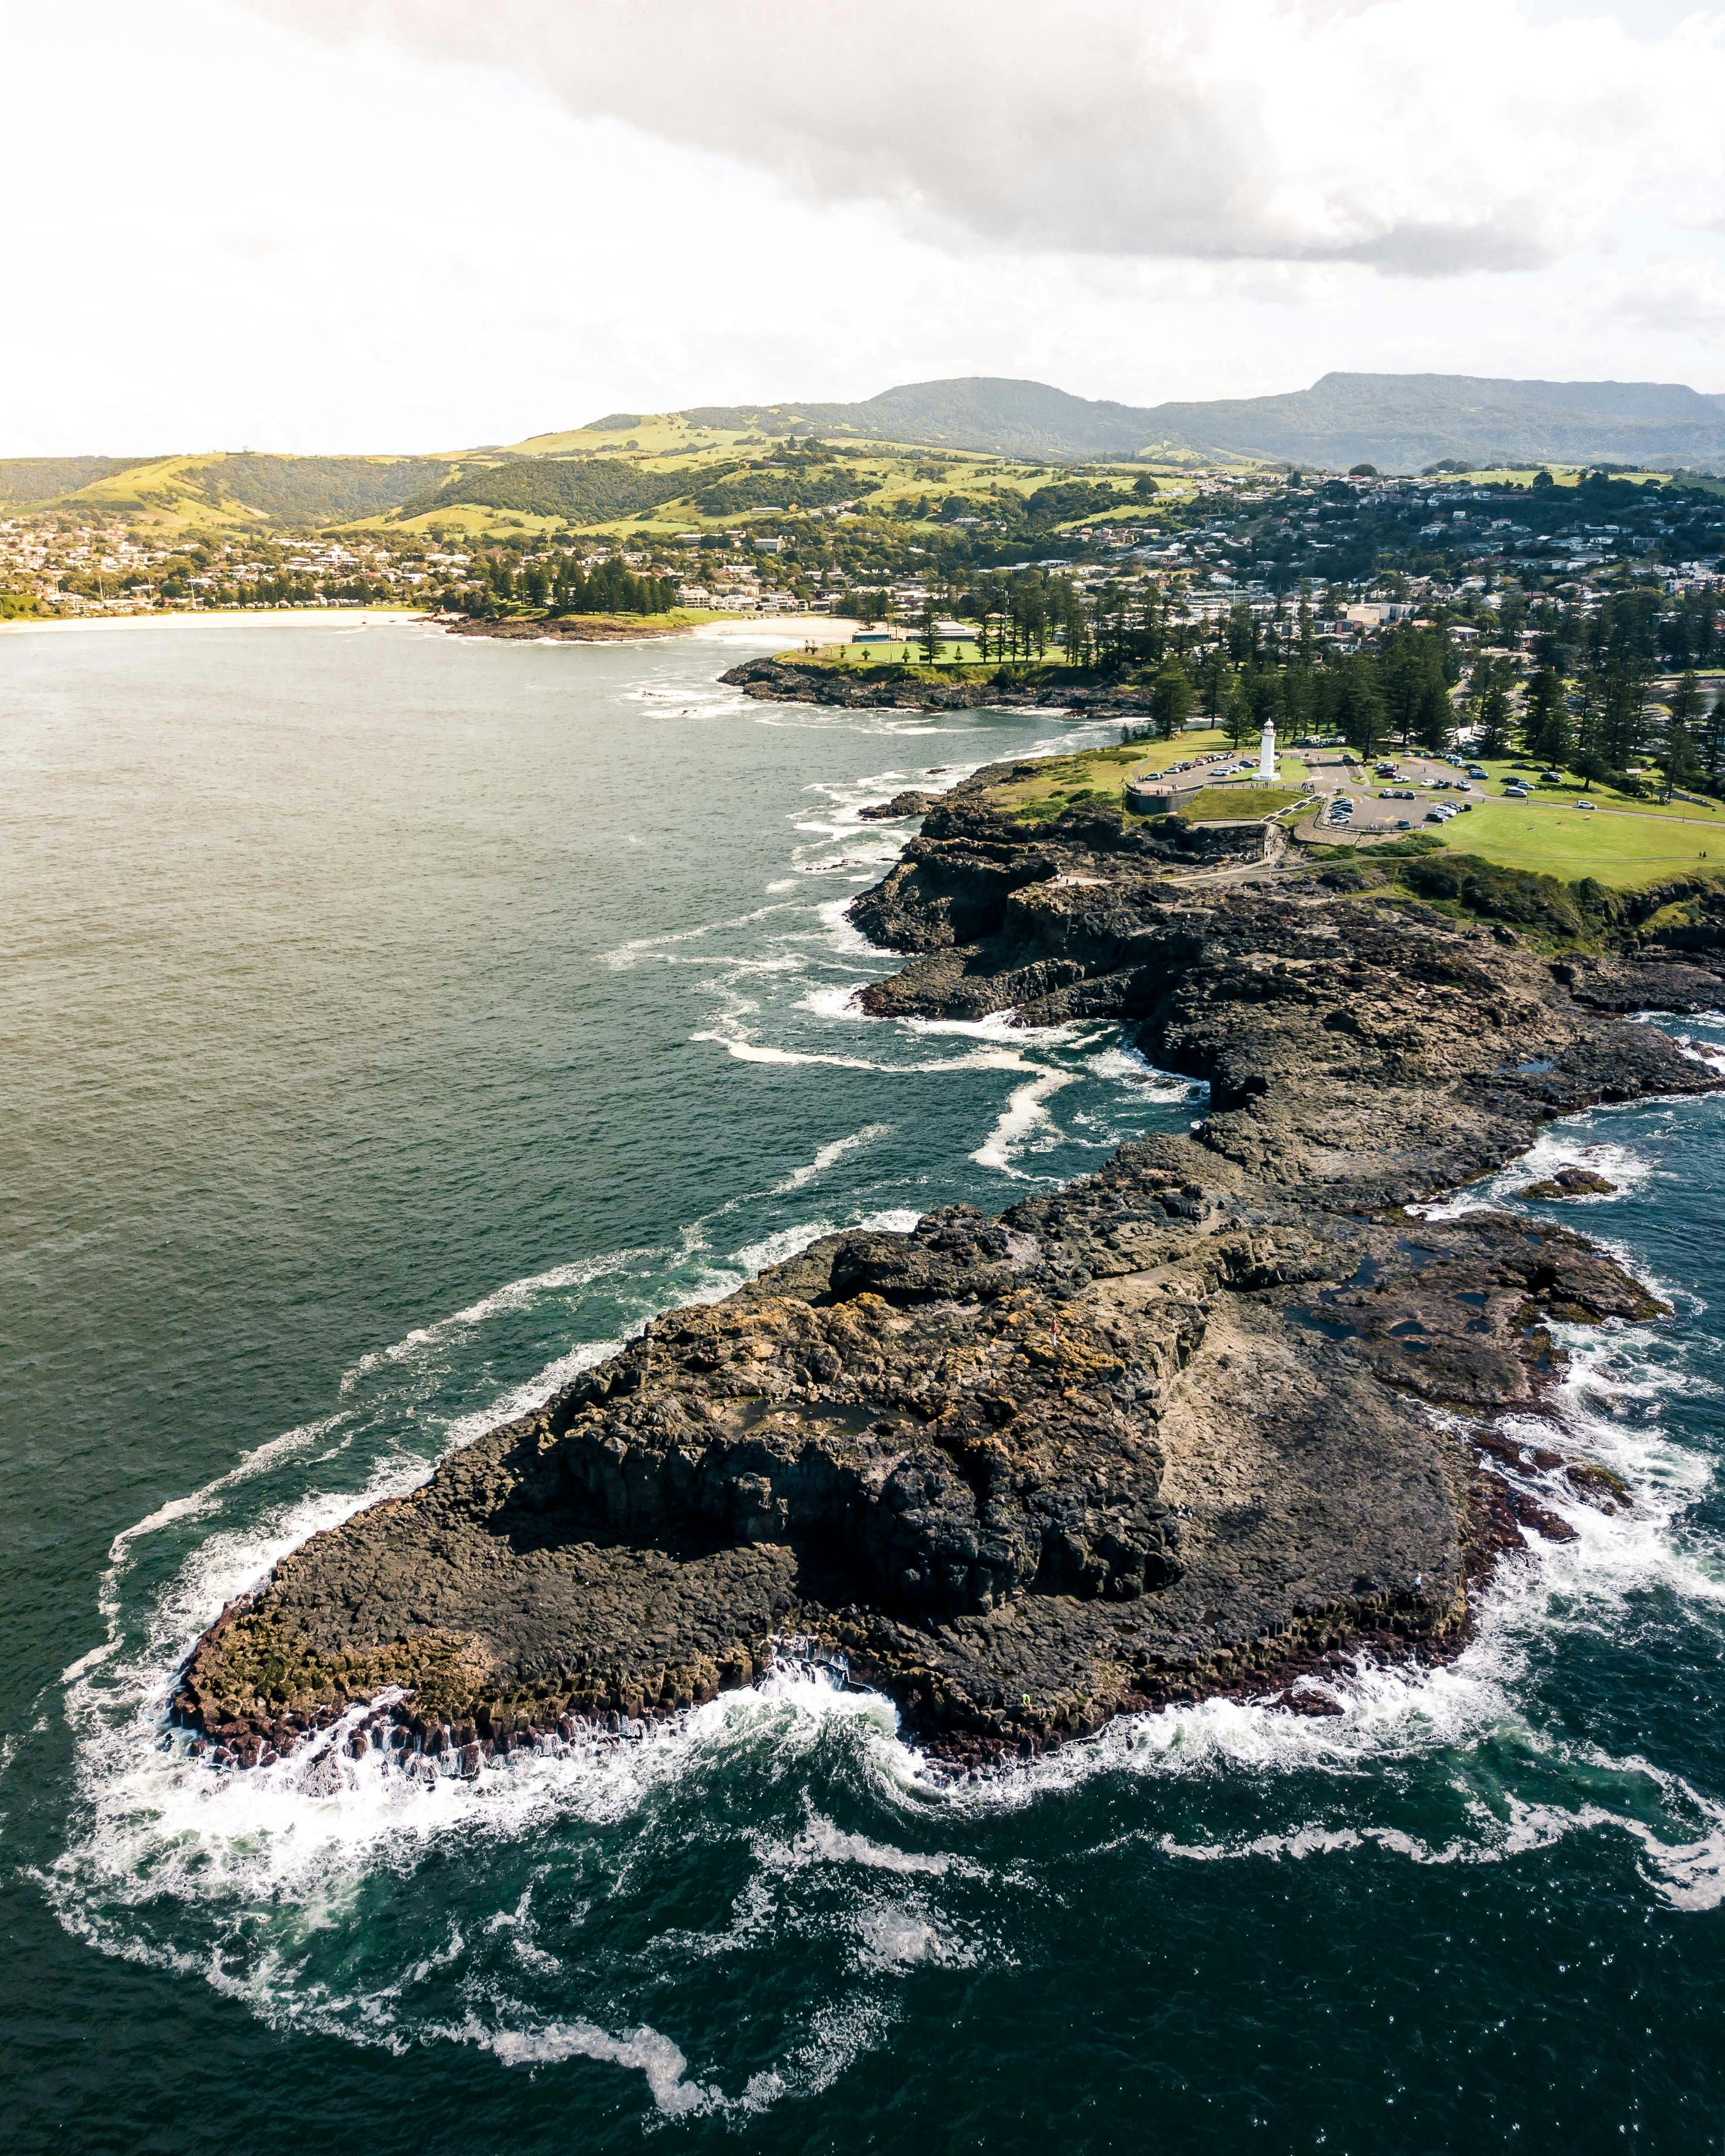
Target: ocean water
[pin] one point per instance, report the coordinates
(394, 1022)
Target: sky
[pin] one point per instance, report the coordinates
(348, 225)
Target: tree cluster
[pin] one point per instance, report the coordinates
(607, 588)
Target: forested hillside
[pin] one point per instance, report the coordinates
(26, 481)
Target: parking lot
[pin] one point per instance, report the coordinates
(1382, 803)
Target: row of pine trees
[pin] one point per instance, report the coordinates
(1588, 703)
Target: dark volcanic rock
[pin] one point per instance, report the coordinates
(792, 681)
(910, 803)
(1191, 1424)
(1571, 1182)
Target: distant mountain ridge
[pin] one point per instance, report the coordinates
(628, 463)
(1398, 421)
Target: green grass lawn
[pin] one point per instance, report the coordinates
(1504, 772)
(954, 654)
(1229, 804)
(1565, 843)
(1100, 774)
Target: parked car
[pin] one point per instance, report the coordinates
(1551, 778)
(1515, 792)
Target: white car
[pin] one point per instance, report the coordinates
(1590, 806)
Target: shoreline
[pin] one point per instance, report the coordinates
(782, 680)
(574, 628)
(741, 629)
(223, 618)
(1162, 1434)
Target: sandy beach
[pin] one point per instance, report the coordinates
(255, 617)
(818, 629)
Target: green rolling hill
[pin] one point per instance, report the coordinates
(716, 461)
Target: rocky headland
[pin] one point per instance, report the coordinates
(1210, 1420)
(889, 688)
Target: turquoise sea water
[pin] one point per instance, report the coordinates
(393, 1023)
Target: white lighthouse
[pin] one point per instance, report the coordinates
(1266, 751)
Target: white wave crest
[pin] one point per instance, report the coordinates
(1024, 1123)
(829, 1155)
(628, 954)
(514, 1295)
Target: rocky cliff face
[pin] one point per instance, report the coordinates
(1199, 1422)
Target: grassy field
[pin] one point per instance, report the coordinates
(1095, 774)
(958, 657)
(654, 432)
(1503, 773)
(1233, 804)
(1522, 475)
(956, 653)
(461, 522)
(1617, 850)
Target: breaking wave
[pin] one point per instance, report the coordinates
(733, 1907)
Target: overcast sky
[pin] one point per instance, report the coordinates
(422, 224)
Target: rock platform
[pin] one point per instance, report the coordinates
(1206, 1420)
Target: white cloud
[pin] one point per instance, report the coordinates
(1677, 297)
(1422, 136)
(254, 235)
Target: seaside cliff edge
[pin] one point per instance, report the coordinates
(1207, 1420)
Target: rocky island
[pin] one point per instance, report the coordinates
(1209, 1419)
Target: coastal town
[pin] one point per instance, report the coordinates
(1364, 549)
(1576, 616)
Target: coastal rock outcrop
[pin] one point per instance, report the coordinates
(884, 687)
(1571, 1182)
(911, 802)
(1199, 1422)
